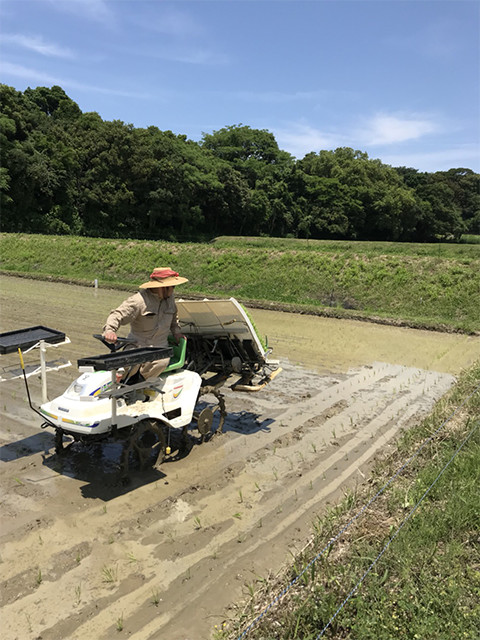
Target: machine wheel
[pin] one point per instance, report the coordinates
(145, 447)
(211, 420)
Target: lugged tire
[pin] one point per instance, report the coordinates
(145, 447)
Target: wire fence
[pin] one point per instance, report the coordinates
(332, 540)
(400, 527)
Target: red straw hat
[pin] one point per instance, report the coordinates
(163, 277)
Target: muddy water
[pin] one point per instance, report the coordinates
(323, 344)
(327, 344)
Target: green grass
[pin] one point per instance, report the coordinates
(470, 239)
(434, 286)
(435, 250)
(426, 585)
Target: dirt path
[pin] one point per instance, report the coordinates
(165, 557)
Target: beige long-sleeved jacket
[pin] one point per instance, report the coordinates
(151, 318)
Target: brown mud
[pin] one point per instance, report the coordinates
(173, 553)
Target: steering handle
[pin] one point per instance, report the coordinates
(113, 346)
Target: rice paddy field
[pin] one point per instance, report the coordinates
(341, 502)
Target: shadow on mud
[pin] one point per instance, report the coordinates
(244, 422)
(27, 447)
(98, 464)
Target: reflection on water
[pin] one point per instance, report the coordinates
(328, 344)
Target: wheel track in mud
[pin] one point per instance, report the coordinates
(233, 509)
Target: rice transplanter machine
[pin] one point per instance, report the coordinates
(152, 417)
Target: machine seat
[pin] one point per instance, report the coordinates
(179, 351)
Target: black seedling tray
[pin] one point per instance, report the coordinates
(110, 361)
(26, 338)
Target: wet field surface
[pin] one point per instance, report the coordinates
(172, 553)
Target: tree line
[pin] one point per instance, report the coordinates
(68, 172)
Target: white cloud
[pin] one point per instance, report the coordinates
(183, 37)
(37, 44)
(466, 156)
(34, 77)
(380, 130)
(19, 71)
(382, 133)
(188, 55)
(383, 129)
(300, 139)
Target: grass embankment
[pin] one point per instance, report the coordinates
(432, 286)
(426, 585)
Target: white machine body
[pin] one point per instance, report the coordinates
(85, 408)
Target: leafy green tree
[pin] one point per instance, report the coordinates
(446, 219)
(36, 161)
(64, 171)
(465, 185)
(323, 204)
(53, 102)
(449, 201)
(252, 152)
(230, 212)
(373, 197)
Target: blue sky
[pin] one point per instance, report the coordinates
(399, 79)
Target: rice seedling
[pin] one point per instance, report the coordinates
(110, 574)
(119, 623)
(155, 598)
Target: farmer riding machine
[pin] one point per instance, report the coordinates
(152, 417)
